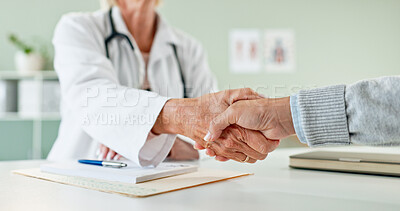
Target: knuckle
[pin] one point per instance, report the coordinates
(263, 148)
(249, 91)
(229, 144)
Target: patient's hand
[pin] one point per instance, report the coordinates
(271, 116)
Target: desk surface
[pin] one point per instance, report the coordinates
(274, 186)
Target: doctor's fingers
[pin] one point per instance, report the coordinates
(211, 153)
(198, 138)
(237, 138)
(221, 158)
(117, 157)
(108, 154)
(236, 145)
(103, 152)
(258, 142)
(222, 153)
(111, 155)
(198, 146)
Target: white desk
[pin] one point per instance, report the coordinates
(273, 187)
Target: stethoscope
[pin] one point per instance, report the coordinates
(116, 34)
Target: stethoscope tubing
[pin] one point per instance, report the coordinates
(115, 33)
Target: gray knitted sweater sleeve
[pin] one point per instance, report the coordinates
(367, 113)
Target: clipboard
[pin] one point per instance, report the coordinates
(129, 174)
(159, 186)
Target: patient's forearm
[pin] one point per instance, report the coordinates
(365, 113)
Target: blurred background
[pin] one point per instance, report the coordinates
(287, 45)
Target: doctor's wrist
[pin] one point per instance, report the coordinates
(173, 116)
(163, 123)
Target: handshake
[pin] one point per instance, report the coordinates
(235, 124)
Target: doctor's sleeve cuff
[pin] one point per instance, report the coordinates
(322, 118)
(296, 119)
(151, 135)
(156, 149)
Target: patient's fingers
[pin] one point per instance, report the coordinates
(198, 146)
(263, 146)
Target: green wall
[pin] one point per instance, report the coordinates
(34, 21)
(16, 140)
(337, 41)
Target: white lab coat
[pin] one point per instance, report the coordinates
(101, 99)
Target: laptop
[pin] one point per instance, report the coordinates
(364, 163)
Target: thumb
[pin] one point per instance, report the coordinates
(220, 122)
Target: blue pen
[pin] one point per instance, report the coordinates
(104, 163)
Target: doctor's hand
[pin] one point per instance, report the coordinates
(191, 117)
(239, 141)
(272, 117)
